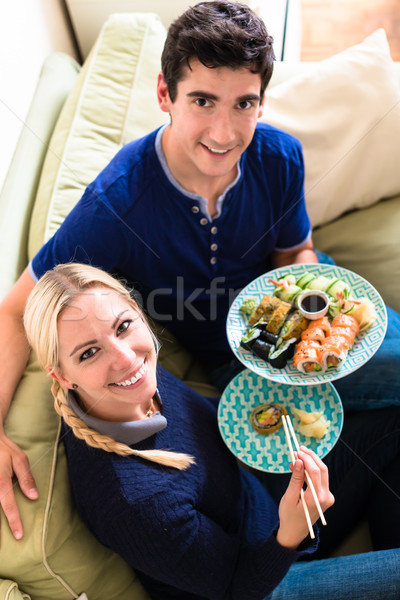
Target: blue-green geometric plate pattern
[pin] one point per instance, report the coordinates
(365, 345)
(270, 452)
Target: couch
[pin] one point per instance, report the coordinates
(79, 117)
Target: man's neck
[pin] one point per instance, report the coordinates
(210, 188)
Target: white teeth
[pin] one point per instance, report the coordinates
(134, 379)
(217, 151)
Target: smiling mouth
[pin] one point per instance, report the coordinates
(216, 151)
(138, 375)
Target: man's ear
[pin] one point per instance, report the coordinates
(164, 101)
(261, 108)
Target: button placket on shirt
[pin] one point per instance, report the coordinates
(213, 230)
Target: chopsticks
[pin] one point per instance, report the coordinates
(287, 425)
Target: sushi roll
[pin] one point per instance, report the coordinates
(262, 349)
(294, 325)
(279, 357)
(267, 418)
(316, 334)
(323, 323)
(333, 352)
(306, 358)
(342, 320)
(278, 317)
(265, 309)
(271, 338)
(249, 338)
(305, 279)
(345, 332)
(319, 283)
(289, 293)
(338, 286)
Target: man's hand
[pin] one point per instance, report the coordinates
(304, 254)
(14, 462)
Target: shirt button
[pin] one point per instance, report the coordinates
(213, 260)
(214, 247)
(203, 221)
(195, 209)
(214, 230)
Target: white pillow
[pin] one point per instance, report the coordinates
(345, 111)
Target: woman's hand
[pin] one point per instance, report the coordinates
(14, 462)
(293, 525)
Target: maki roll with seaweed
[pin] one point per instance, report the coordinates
(262, 349)
(249, 338)
(267, 418)
(271, 338)
(279, 357)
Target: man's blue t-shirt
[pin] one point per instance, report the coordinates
(135, 219)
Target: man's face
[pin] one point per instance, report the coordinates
(212, 119)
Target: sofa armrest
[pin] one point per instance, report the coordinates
(18, 194)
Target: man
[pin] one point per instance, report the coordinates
(190, 213)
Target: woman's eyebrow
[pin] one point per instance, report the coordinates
(79, 346)
(92, 342)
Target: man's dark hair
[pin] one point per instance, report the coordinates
(218, 34)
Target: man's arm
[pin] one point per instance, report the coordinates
(304, 254)
(14, 354)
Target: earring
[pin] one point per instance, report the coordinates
(74, 386)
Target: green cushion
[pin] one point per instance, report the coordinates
(113, 101)
(366, 242)
(57, 557)
(9, 591)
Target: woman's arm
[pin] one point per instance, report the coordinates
(14, 354)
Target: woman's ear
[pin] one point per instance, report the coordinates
(56, 374)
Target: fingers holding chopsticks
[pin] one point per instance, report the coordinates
(317, 493)
(300, 509)
(314, 465)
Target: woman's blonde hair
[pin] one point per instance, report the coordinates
(53, 293)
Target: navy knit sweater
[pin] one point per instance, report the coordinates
(207, 532)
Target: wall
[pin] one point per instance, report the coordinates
(29, 31)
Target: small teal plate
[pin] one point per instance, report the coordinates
(365, 346)
(270, 452)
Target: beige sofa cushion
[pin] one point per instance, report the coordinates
(113, 101)
(346, 112)
(366, 242)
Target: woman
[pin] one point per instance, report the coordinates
(153, 480)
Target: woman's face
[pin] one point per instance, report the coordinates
(107, 350)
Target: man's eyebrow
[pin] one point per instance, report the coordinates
(202, 94)
(210, 96)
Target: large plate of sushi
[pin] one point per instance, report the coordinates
(269, 333)
(316, 413)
